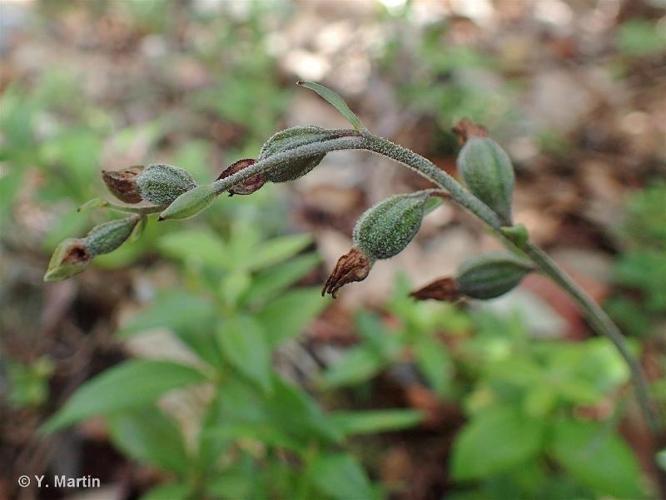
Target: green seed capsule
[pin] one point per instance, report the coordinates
(387, 228)
(289, 139)
(488, 173)
(489, 276)
(69, 258)
(107, 237)
(190, 203)
(161, 184)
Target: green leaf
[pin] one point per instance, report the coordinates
(148, 435)
(341, 476)
(372, 422)
(494, 441)
(269, 283)
(434, 362)
(244, 345)
(190, 317)
(276, 250)
(129, 385)
(598, 458)
(358, 364)
(295, 412)
(336, 101)
(92, 204)
(195, 245)
(174, 491)
(661, 459)
(288, 315)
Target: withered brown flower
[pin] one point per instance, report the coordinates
(249, 185)
(442, 289)
(352, 266)
(122, 183)
(466, 129)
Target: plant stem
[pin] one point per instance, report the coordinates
(596, 316)
(352, 139)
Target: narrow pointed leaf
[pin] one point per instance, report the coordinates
(336, 101)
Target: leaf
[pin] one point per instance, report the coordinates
(190, 317)
(271, 252)
(195, 245)
(494, 441)
(358, 364)
(288, 315)
(372, 422)
(244, 344)
(92, 204)
(129, 385)
(148, 435)
(268, 283)
(661, 459)
(341, 476)
(336, 101)
(598, 458)
(434, 362)
(174, 491)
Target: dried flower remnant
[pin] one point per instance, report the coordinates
(466, 129)
(122, 183)
(353, 266)
(70, 258)
(249, 185)
(442, 289)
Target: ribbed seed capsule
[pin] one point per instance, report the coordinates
(69, 258)
(382, 232)
(489, 276)
(107, 237)
(488, 173)
(161, 184)
(387, 228)
(289, 139)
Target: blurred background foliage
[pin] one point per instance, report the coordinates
(199, 361)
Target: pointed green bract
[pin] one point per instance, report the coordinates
(488, 173)
(336, 101)
(190, 203)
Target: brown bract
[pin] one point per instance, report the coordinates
(442, 289)
(122, 183)
(353, 266)
(249, 185)
(466, 129)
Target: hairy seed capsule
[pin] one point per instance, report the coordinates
(489, 276)
(382, 232)
(387, 228)
(289, 139)
(488, 173)
(69, 258)
(107, 237)
(190, 203)
(161, 184)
